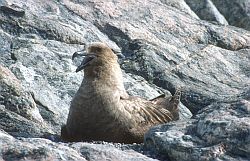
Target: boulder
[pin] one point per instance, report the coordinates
(236, 12)
(221, 131)
(206, 10)
(166, 46)
(12, 148)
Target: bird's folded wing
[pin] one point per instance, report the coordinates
(146, 112)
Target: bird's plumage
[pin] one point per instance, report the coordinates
(102, 110)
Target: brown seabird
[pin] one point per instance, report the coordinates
(101, 110)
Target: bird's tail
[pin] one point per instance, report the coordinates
(173, 104)
(170, 103)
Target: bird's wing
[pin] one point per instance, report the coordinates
(170, 103)
(146, 112)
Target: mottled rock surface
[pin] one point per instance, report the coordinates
(44, 149)
(206, 10)
(166, 46)
(219, 131)
(236, 12)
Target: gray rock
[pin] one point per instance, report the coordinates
(47, 81)
(206, 10)
(108, 151)
(34, 149)
(208, 74)
(220, 131)
(43, 149)
(19, 113)
(166, 47)
(137, 86)
(181, 5)
(236, 12)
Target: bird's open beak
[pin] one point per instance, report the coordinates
(87, 59)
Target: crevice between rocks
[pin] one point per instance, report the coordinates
(12, 55)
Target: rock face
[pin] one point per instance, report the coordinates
(44, 149)
(206, 10)
(236, 12)
(166, 46)
(219, 131)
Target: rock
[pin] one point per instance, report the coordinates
(137, 86)
(19, 113)
(48, 77)
(166, 46)
(191, 72)
(92, 152)
(43, 149)
(180, 5)
(15, 98)
(236, 12)
(12, 10)
(220, 131)
(206, 10)
(34, 149)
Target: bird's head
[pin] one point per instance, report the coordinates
(96, 54)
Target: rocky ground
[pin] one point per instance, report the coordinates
(201, 46)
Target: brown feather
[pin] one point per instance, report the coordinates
(102, 109)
